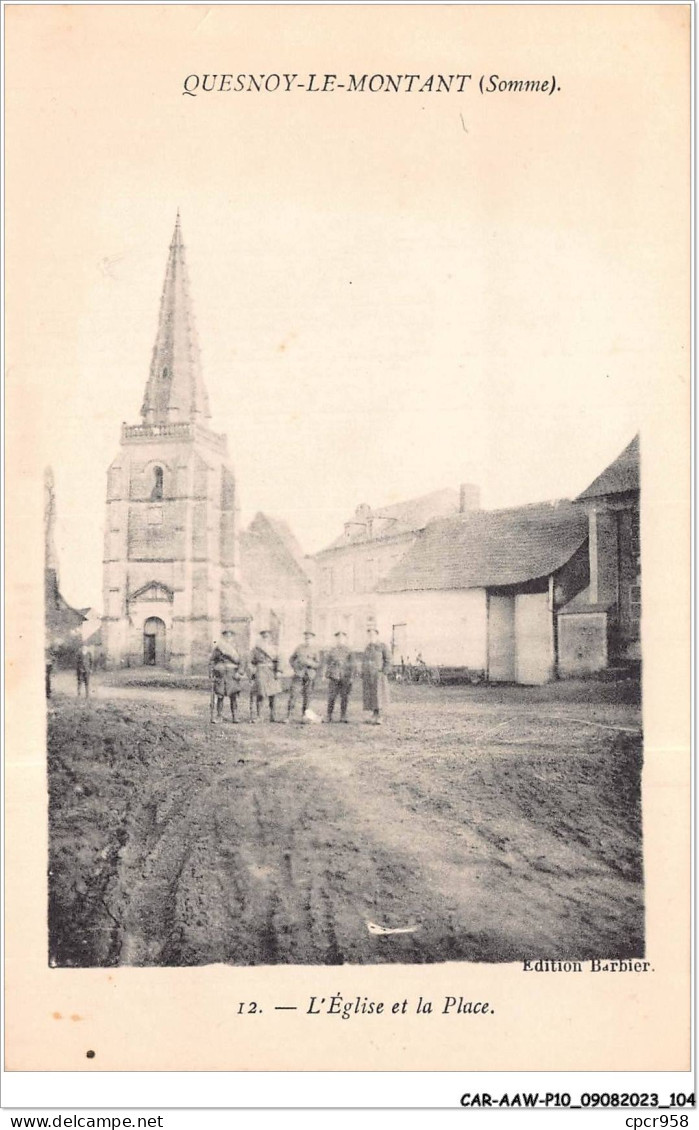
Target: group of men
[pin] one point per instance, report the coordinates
(230, 669)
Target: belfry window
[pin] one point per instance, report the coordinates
(157, 492)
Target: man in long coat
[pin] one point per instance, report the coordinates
(376, 665)
(339, 671)
(226, 670)
(266, 684)
(49, 661)
(83, 669)
(304, 663)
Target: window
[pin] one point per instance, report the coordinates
(157, 491)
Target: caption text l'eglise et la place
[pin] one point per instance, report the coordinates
(336, 1004)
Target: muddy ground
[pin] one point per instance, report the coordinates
(499, 823)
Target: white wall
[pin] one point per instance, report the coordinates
(448, 628)
(502, 643)
(534, 631)
(344, 584)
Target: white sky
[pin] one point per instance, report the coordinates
(393, 295)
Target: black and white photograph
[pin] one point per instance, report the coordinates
(495, 816)
(349, 400)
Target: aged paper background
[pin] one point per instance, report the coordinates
(100, 139)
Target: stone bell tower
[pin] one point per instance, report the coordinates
(171, 541)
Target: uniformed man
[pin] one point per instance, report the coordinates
(266, 684)
(48, 661)
(304, 663)
(83, 670)
(376, 665)
(339, 671)
(226, 670)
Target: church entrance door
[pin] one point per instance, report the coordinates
(154, 642)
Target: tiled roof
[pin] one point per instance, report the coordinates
(487, 548)
(397, 518)
(283, 533)
(621, 475)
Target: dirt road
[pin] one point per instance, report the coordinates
(492, 825)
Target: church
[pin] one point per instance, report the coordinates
(173, 576)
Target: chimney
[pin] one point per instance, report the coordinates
(469, 497)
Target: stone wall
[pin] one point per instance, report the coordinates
(582, 643)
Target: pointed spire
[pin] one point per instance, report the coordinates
(175, 389)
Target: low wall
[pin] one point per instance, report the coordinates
(582, 643)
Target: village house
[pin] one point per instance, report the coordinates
(348, 571)
(527, 594)
(479, 592)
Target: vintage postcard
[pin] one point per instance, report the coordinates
(348, 537)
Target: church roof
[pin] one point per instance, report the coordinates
(620, 476)
(282, 533)
(490, 548)
(175, 390)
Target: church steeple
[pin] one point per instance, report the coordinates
(175, 390)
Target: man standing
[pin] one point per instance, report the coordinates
(226, 673)
(376, 665)
(304, 663)
(48, 661)
(264, 661)
(339, 670)
(83, 670)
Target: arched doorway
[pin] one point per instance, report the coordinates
(154, 642)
